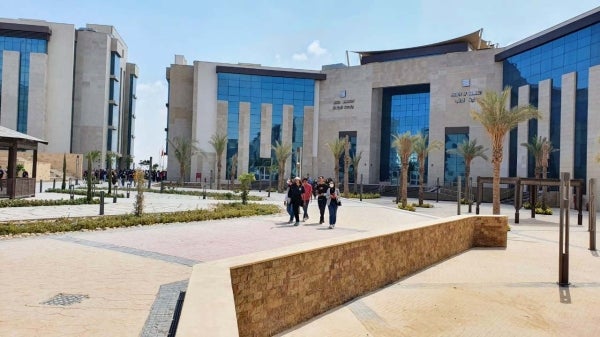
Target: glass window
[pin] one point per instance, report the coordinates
(576, 52)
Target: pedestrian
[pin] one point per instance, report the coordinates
(333, 202)
(295, 193)
(306, 195)
(287, 202)
(321, 190)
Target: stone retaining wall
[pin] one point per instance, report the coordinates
(277, 292)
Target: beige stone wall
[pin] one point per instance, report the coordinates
(49, 164)
(273, 293)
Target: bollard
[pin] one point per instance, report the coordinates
(115, 194)
(592, 214)
(54, 184)
(72, 192)
(458, 196)
(101, 202)
(361, 186)
(40, 185)
(563, 242)
(437, 191)
(128, 187)
(162, 186)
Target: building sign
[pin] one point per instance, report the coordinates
(465, 96)
(346, 104)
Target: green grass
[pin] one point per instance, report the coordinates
(78, 191)
(364, 195)
(25, 202)
(221, 211)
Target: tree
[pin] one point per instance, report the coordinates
(110, 156)
(469, 150)
(497, 121)
(337, 149)
(404, 147)
(355, 161)
(534, 148)
(64, 182)
(346, 166)
(422, 147)
(245, 180)
(138, 206)
(91, 157)
(219, 144)
(183, 150)
(282, 153)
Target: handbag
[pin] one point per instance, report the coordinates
(339, 203)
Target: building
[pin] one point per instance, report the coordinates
(67, 86)
(429, 89)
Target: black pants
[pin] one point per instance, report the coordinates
(322, 204)
(296, 208)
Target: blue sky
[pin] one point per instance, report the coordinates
(298, 34)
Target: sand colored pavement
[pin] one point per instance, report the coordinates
(495, 292)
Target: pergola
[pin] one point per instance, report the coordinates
(533, 183)
(13, 141)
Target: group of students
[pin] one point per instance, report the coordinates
(300, 192)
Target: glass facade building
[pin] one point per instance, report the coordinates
(257, 90)
(404, 109)
(574, 52)
(25, 46)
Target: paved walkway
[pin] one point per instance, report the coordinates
(126, 278)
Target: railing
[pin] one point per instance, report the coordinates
(23, 187)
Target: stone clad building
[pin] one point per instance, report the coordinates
(429, 89)
(71, 87)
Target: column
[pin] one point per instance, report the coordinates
(593, 136)
(567, 122)
(544, 99)
(10, 89)
(244, 138)
(286, 133)
(307, 143)
(36, 125)
(266, 122)
(222, 119)
(522, 134)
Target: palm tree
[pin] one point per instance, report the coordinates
(404, 147)
(422, 147)
(282, 153)
(469, 150)
(219, 143)
(337, 149)
(547, 148)
(498, 121)
(110, 156)
(91, 157)
(183, 150)
(346, 166)
(355, 161)
(534, 147)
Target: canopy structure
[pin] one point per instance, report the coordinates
(471, 41)
(12, 186)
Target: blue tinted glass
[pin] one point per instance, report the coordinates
(576, 52)
(234, 88)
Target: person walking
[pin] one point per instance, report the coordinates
(287, 202)
(321, 191)
(333, 202)
(306, 195)
(295, 193)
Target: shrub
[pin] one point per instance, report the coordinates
(221, 211)
(408, 207)
(425, 205)
(83, 192)
(26, 203)
(364, 195)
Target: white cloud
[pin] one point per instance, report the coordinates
(315, 48)
(151, 120)
(300, 57)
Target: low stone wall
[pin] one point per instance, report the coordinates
(268, 292)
